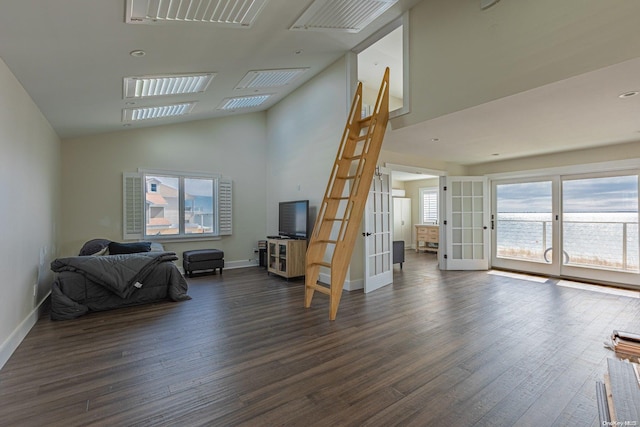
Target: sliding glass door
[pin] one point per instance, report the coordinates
(524, 226)
(600, 226)
(581, 226)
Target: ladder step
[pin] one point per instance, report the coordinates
(318, 287)
(338, 198)
(365, 121)
(352, 158)
(347, 177)
(334, 219)
(322, 264)
(330, 242)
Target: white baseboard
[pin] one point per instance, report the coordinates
(240, 264)
(230, 265)
(349, 285)
(11, 344)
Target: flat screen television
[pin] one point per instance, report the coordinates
(293, 218)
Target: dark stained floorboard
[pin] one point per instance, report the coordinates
(436, 348)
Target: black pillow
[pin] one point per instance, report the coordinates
(94, 246)
(116, 248)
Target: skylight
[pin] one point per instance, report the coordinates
(233, 13)
(341, 15)
(269, 78)
(243, 102)
(162, 85)
(158, 112)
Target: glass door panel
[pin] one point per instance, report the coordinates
(523, 226)
(600, 223)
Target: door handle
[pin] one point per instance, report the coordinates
(366, 234)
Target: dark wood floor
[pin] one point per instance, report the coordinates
(436, 348)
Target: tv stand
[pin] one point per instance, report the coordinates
(286, 257)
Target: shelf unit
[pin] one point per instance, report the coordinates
(286, 257)
(430, 235)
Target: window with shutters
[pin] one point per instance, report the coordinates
(429, 205)
(176, 205)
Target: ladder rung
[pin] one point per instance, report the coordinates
(347, 177)
(334, 219)
(331, 242)
(365, 120)
(352, 158)
(322, 264)
(338, 198)
(320, 288)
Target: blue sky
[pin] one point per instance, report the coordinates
(610, 194)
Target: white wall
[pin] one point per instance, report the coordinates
(570, 158)
(30, 194)
(92, 178)
(304, 132)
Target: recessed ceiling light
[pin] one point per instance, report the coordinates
(162, 85)
(628, 94)
(496, 154)
(435, 139)
(137, 53)
(159, 112)
(243, 102)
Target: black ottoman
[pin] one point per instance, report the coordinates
(202, 259)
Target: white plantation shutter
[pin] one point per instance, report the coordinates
(133, 206)
(429, 205)
(133, 191)
(225, 206)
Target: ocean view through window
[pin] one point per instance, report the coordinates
(596, 219)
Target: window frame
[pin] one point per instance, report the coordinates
(422, 192)
(136, 212)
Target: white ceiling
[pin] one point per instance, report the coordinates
(580, 112)
(71, 57)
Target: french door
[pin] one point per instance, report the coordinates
(466, 224)
(582, 226)
(378, 265)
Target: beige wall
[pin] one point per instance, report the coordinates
(461, 56)
(30, 194)
(412, 189)
(92, 178)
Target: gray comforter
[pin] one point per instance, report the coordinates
(93, 283)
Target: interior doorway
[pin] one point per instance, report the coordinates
(416, 195)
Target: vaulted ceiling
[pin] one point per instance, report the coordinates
(72, 55)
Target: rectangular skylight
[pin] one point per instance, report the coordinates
(233, 13)
(269, 78)
(341, 15)
(159, 112)
(162, 85)
(243, 102)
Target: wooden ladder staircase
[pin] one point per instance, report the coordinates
(340, 214)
